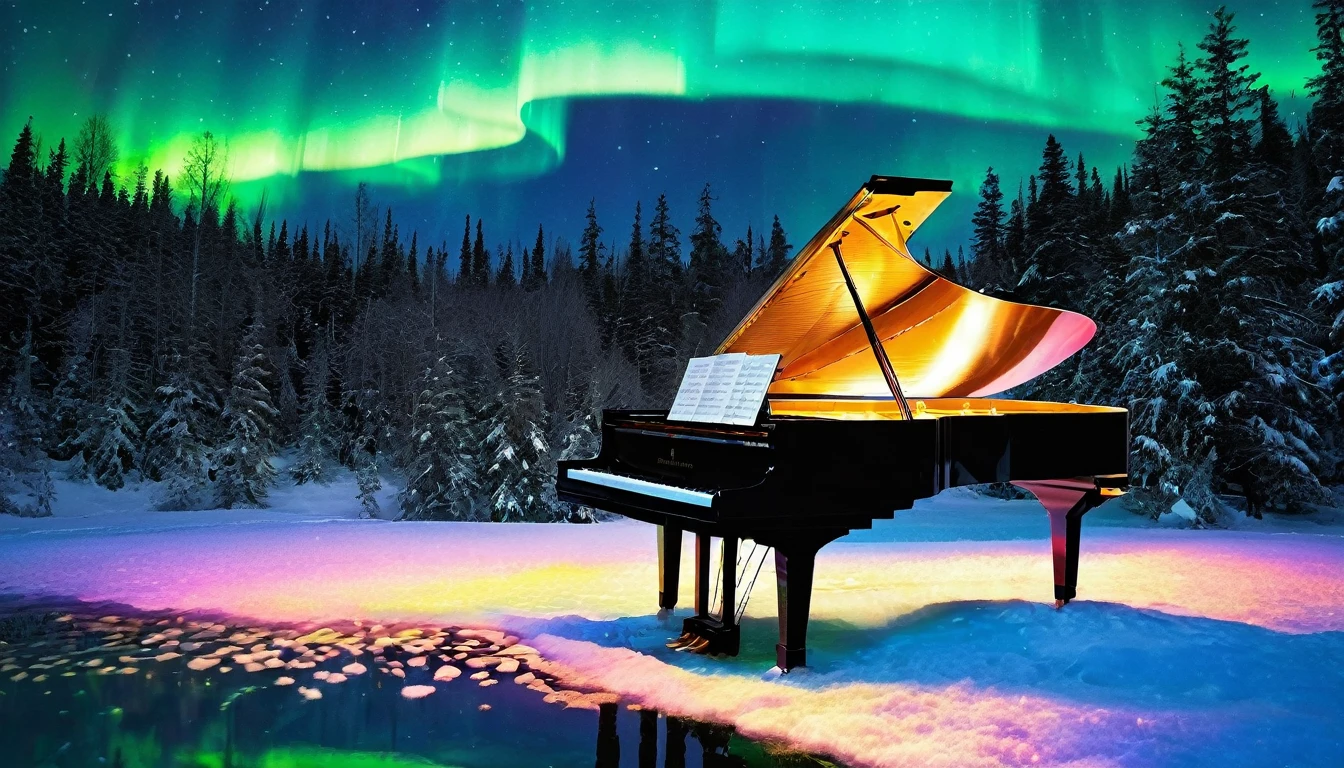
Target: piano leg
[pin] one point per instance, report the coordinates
(729, 615)
(703, 545)
(793, 576)
(669, 566)
(1065, 502)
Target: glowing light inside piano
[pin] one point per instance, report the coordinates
(930, 408)
(963, 349)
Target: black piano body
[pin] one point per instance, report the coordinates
(858, 323)
(797, 481)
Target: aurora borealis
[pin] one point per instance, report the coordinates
(519, 112)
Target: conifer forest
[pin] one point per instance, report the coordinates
(157, 329)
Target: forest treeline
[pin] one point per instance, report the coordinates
(1213, 266)
(153, 329)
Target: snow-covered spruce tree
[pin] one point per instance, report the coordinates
(368, 482)
(23, 459)
(990, 271)
(582, 436)
(177, 449)
(71, 396)
(1329, 295)
(442, 468)
(243, 471)
(1054, 245)
(1217, 369)
(521, 471)
(286, 396)
(1171, 416)
(1320, 161)
(318, 428)
(367, 451)
(111, 437)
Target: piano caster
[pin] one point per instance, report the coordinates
(1060, 604)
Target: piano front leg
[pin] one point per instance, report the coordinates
(795, 562)
(1065, 502)
(794, 565)
(703, 545)
(669, 566)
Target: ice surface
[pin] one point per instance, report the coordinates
(931, 642)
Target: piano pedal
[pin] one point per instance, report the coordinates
(690, 642)
(701, 645)
(685, 639)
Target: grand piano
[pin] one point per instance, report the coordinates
(882, 395)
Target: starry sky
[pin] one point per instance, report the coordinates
(520, 112)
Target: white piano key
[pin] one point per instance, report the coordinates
(642, 487)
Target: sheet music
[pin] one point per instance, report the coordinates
(753, 379)
(692, 384)
(718, 390)
(724, 389)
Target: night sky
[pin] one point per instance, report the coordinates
(521, 112)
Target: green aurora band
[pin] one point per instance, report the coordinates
(395, 96)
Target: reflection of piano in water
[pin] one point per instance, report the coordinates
(840, 443)
(715, 742)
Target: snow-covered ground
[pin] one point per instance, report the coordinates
(931, 640)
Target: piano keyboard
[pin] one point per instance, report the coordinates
(642, 487)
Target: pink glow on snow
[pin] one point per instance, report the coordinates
(436, 572)
(1288, 582)
(514, 575)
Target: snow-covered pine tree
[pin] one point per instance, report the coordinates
(1320, 159)
(990, 270)
(443, 468)
(23, 459)
(111, 437)
(243, 461)
(71, 407)
(318, 428)
(521, 470)
(286, 396)
(368, 482)
(177, 444)
(1217, 367)
(1329, 295)
(1054, 248)
(775, 256)
(27, 409)
(582, 436)
(366, 453)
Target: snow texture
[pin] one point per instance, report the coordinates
(931, 642)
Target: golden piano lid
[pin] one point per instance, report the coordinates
(944, 340)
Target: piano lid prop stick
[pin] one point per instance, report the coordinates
(883, 361)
